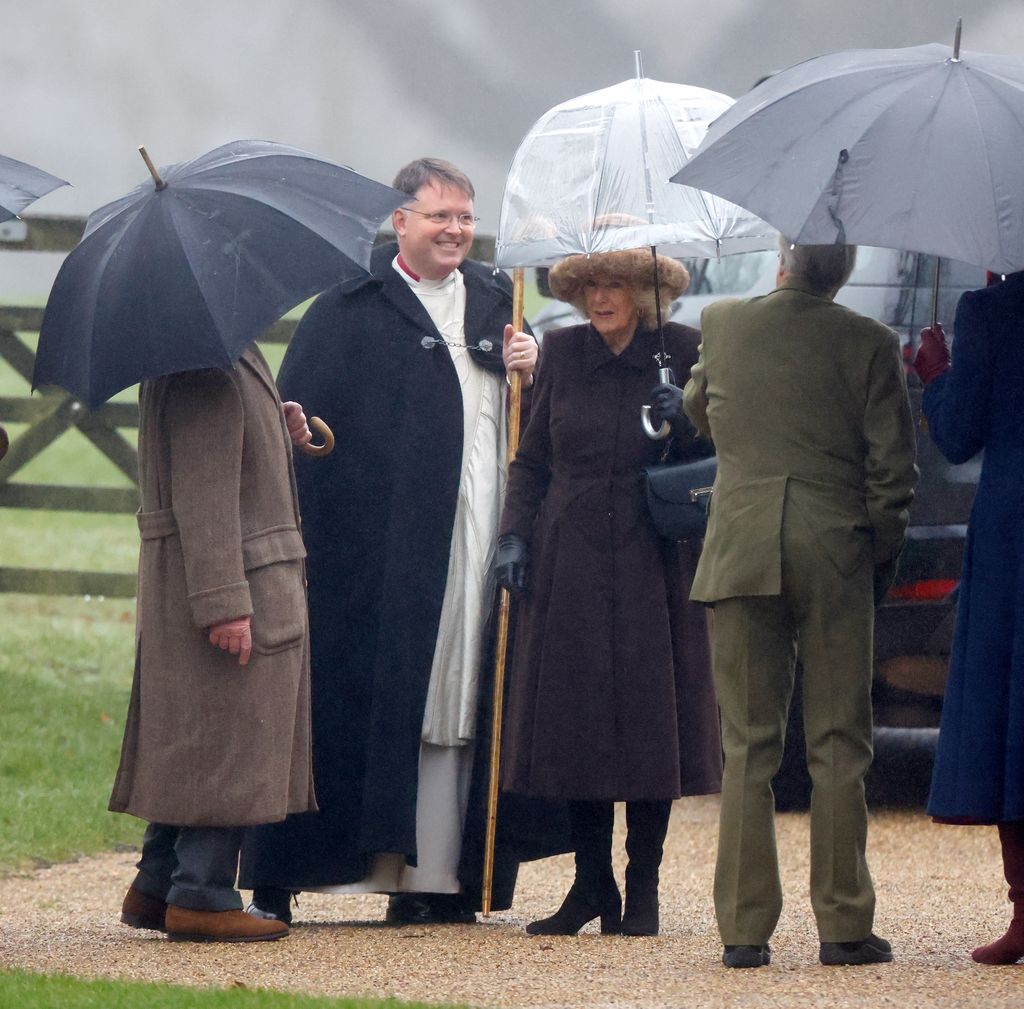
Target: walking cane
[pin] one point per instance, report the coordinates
(503, 613)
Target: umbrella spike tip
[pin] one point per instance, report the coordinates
(160, 184)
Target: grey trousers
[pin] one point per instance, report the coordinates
(191, 867)
(827, 620)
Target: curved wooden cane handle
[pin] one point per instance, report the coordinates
(316, 424)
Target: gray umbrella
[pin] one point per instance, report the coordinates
(916, 149)
(22, 184)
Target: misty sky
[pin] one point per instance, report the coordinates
(375, 83)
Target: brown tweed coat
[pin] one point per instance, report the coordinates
(209, 742)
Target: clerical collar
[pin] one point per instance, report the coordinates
(422, 284)
(404, 266)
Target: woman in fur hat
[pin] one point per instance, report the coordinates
(611, 696)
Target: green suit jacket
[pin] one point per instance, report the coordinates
(806, 402)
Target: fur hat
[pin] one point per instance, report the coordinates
(633, 267)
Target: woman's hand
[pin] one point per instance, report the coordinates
(510, 562)
(932, 357)
(666, 403)
(519, 352)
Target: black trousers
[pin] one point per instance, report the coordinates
(192, 867)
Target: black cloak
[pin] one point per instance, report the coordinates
(377, 519)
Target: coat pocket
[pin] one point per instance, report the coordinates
(276, 574)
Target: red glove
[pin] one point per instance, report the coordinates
(234, 636)
(932, 357)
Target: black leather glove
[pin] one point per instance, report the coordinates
(510, 562)
(885, 575)
(666, 403)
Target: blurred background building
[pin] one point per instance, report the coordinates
(373, 84)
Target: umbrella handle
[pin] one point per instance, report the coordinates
(316, 424)
(664, 375)
(655, 435)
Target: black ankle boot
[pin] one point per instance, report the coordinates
(646, 826)
(594, 892)
(577, 910)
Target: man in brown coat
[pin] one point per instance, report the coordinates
(217, 736)
(806, 402)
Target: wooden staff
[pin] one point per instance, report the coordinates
(503, 615)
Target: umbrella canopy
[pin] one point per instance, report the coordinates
(916, 149)
(22, 184)
(187, 272)
(592, 176)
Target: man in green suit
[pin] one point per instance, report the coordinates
(806, 402)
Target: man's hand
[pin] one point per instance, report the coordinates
(932, 357)
(234, 636)
(519, 352)
(298, 429)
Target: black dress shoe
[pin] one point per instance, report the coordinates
(853, 954)
(272, 903)
(429, 909)
(747, 956)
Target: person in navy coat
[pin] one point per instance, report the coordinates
(975, 403)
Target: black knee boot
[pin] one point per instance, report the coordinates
(646, 826)
(594, 892)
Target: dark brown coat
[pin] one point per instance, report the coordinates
(611, 694)
(209, 742)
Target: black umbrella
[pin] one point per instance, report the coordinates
(22, 184)
(186, 271)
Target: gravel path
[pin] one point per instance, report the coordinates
(940, 892)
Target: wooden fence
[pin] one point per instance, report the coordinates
(52, 412)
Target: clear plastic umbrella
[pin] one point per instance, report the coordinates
(592, 176)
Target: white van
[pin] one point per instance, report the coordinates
(891, 286)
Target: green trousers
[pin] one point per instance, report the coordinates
(827, 620)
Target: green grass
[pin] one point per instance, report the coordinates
(20, 990)
(65, 675)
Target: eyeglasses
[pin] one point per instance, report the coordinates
(439, 217)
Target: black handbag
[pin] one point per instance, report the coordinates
(678, 495)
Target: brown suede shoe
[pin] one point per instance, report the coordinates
(186, 925)
(142, 911)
